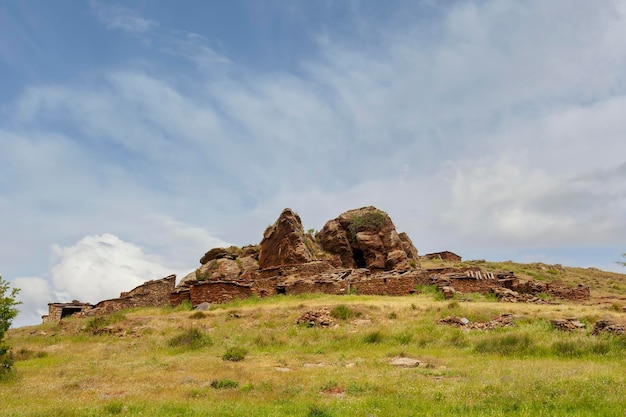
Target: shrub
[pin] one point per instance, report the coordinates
(96, 324)
(371, 221)
(317, 411)
(342, 312)
(374, 337)
(191, 338)
(224, 384)
(7, 313)
(234, 354)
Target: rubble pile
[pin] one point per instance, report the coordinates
(608, 326)
(505, 320)
(320, 317)
(567, 325)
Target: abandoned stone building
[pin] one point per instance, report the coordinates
(57, 311)
(443, 256)
(359, 252)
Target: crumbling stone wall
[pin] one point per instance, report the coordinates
(219, 292)
(155, 293)
(387, 284)
(326, 287)
(554, 289)
(179, 296)
(56, 311)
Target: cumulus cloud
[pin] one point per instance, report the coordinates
(101, 266)
(35, 294)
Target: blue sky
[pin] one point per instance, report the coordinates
(135, 136)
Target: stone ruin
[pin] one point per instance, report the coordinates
(359, 252)
(155, 293)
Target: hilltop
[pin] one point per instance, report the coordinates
(356, 327)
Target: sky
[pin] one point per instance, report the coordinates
(135, 136)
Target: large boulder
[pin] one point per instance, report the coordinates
(284, 242)
(219, 253)
(365, 238)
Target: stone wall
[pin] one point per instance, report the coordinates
(179, 296)
(308, 286)
(57, 311)
(398, 285)
(555, 289)
(219, 292)
(154, 293)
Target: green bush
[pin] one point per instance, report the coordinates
(224, 384)
(235, 354)
(342, 312)
(191, 338)
(371, 221)
(7, 313)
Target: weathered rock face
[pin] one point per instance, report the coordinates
(366, 238)
(409, 249)
(218, 253)
(284, 243)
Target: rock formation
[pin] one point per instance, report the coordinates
(284, 242)
(366, 238)
(359, 252)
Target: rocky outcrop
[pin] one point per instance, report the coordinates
(409, 249)
(366, 238)
(219, 253)
(284, 243)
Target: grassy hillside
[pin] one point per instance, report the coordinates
(604, 285)
(250, 358)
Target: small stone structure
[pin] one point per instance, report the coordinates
(443, 256)
(155, 293)
(57, 311)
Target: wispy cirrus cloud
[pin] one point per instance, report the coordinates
(187, 45)
(115, 16)
(193, 47)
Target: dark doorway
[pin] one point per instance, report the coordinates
(68, 311)
(359, 258)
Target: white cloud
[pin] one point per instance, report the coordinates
(35, 294)
(101, 267)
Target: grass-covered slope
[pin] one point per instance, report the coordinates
(249, 358)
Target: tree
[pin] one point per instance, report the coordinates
(7, 314)
(620, 262)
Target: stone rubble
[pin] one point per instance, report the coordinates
(567, 325)
(320, 317)
(505, 320)
(608, 326)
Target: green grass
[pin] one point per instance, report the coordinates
(155, 367)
